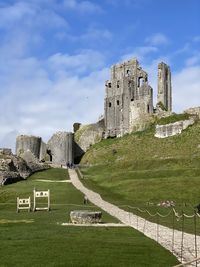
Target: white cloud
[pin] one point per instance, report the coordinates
(12, 14)
(186, 88)
(196, 39)
(96, 34)
(78, 63)
(82, 6)
(35, 102)
(140, 52)
(157, 39)
(193, 60)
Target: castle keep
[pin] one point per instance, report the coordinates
(129, 97)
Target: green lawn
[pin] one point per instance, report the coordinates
(38, 239)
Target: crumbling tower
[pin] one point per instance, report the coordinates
(28, 143)
(164, 87)
(128, 98)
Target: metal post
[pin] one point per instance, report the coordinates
(182, 237)
(34, 200)
(173, 217)
(17, 204)
(195, 234)
(48, 200)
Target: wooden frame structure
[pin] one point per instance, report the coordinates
(41, 194)
(23, 204)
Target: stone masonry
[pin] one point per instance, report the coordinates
(60, 148)
(128, 107)
(171, 129)
(164, 86)
(28, 143)
(129, 97)
(193, 111)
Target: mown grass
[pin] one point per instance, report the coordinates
(139, 169)
(38, 239)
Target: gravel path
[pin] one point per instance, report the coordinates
(161, 234)
(95, 224)
(53, 181)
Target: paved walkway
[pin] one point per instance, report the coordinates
(163, 235)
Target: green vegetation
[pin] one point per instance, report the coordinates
(173, 118)
(38, 239)
(139, 168)
(161, 105)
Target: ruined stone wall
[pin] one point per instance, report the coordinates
(28, 143)
(128, 96)
(60, 146)
(5, 151)
(88, 135)
(171, 129)
(164, 96)
(43, 150)
(193, 111)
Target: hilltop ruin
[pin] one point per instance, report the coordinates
(129, 97)
(128, 107)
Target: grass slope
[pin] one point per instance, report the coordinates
(139, 168)
(38, 239)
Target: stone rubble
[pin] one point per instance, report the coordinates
(149, 229)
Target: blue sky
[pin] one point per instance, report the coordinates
(55, 56)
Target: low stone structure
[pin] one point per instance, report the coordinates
(85, 216)
(171, 129)
(193, 111)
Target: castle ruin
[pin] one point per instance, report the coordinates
(129, 97)
(164, 87)
(128, 107)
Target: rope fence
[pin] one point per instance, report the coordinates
(176, 219)
(181, 221)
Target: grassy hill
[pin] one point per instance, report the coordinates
(139, 168)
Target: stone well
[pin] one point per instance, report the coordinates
(85, 216)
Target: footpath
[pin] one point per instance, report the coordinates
(184, 251)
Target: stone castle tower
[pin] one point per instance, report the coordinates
(164, 86)
(128, 98)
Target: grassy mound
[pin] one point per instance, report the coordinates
(139, 168)
(38, 239)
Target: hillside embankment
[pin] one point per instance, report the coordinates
(140, 168)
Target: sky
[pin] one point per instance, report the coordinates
(55, 56)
